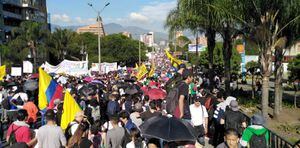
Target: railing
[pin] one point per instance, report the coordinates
(275, 141)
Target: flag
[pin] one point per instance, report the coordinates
(2, 72)
(152, 70)
(49, 90)
(70, 108)
(141, 72)
(175, 62)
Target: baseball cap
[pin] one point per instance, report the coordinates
(234, 105)
(258, 119)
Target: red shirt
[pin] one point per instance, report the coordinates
(22, 133)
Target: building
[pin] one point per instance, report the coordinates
(201, 40)
(13, 12)
(94, 28)
(148, 39)
(128, 34)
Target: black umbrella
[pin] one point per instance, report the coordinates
(30, 85)
(131, 90)
(168, 129)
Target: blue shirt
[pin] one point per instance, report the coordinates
(129, 125)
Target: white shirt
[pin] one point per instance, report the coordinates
(197, 114)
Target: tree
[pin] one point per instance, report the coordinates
(60, 43)
(272, 25)
(294, 77)
(196, 16)
(252, 67)
(31, 35)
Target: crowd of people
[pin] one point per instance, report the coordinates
(115, 105)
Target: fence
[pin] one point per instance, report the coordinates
(275, 140)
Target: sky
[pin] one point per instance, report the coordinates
(148, 14)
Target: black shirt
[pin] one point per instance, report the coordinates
(147, 115)
(184, 90)
(85, 143)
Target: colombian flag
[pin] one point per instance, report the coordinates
(70, 109)
(49, 90)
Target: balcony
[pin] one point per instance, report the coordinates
(12, 15)
(13, 2)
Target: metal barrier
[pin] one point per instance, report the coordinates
(275, 141)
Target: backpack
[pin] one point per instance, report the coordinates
(12, 138)
(68, 132)
(172, 99)
(258, 141)
(96, 113)
(233, 121)
(112, 108)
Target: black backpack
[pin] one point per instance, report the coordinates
(233, 120)
(172, 99)
(12, 138)
(258, 141)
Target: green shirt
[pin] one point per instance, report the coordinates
(253, 129)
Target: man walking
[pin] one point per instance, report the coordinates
(116, 136)
(50, 135)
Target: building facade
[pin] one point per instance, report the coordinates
(148, 39)
(13, 12)
(94, 28)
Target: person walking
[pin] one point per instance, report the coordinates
(50, 135)
(231, 139)
(80, 137)
(115, 137)
(199, 120)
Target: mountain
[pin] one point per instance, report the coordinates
(112, 28)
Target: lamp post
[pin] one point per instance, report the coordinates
(99, 30)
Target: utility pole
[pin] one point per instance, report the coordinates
(99, 41)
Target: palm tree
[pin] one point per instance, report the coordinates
(60, 41)
(33, 35)
(273, 24)
(196, 16)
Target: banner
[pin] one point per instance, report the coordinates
(16, 71)
(105, 67)
(27, 67)
(73, 68)
(192, 47)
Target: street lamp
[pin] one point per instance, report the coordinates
(99, 29)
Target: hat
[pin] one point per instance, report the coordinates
(234, 105)
(80, 114)
(258, 119)
(182, 66)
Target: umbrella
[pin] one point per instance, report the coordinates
(30, 85)
(145, 90)
(131, 90)
(88, 79)
(11, 84)
(168, 129)
(156, 93)
(97, 82)
(87, 90)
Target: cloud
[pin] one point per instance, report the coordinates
(138, 17)
(151, 16)
(64, 19)
(58, 18)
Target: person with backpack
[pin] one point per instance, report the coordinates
(124, 118)
(177, 98)
(80, 138)
(19, 131)
(113, 107)
(176, 78)
(256, 135)
(233, 118)
(72, 127)
(93, 111)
